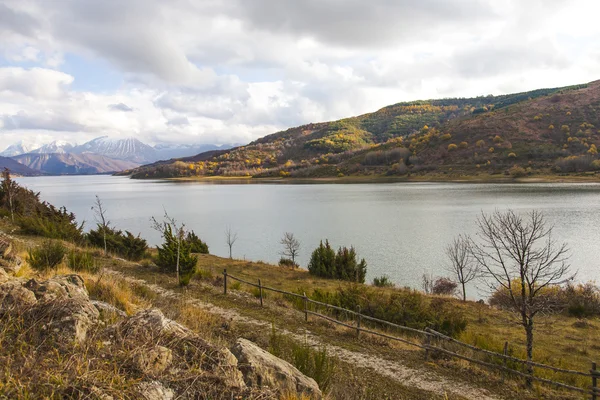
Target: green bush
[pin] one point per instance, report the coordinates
(403, 307)
(168, 254)
(383, 281)
(49, 255)
(196, 245)
(126, 245)
(581, 301)
(287, 262)
(82, 261)
(314, 363)
(326, 263)
(35, 216)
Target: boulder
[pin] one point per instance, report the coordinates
(3, 276)
(14, 295)
(5, 247)
(153, 361)
(150, 324)
(59, 287)
(108, 309)
(68, 319)
(11, 266)
(155, 391)
(262, 369)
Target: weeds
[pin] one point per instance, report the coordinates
(48, 256)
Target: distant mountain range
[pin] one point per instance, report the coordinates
(73, 164)
(101, 155)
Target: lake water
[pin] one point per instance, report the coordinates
(401, 229)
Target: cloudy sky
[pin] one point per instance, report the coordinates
(222, 71)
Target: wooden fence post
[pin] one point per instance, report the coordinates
(224, 281)
(359, 317)
(305, 308)
(505, 360)
(261, 293)
(595, 374)
(427, 343)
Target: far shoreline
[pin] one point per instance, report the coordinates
(383, 179)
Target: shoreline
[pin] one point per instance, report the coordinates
(384, 179)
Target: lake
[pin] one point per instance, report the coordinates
(401, 229)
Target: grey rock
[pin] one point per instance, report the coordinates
(155, 391)
(262, 369)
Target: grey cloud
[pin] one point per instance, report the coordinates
(17, 21)
(490, 59)
(120, 107)
(359, 23)
(26, 121)
(178, 121)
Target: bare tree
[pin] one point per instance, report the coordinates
(168, 225)
(427, 282)
(519, 256)
(291, 246)
(462, 264)
(100, 216)
(230, 238)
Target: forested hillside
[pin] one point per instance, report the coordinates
(542, 131)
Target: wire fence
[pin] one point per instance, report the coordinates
(436, 344)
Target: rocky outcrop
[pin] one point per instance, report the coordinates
(262, 369)
(153, 361)
(60, 305)
(149, 324)
(167, 358)
(155, 391)
(13, 295)
(9, 261)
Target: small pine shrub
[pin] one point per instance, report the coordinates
(326, 263)
(124, 244)
(82, 261)
(196, 245)
(383, 281)
(174, 250)
(287, 262)
(49, 255)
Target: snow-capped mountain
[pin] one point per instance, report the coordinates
(129, 149)
(56, 147)
(21, 147)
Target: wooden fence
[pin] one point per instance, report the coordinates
(433, 342)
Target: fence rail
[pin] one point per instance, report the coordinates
(429, 334)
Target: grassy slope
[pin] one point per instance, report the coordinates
(339, 148)
(560, 340)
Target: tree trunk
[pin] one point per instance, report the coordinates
(178, 247)
(464, 292)
(230, 257)
(105, 249)
(529, 332)
(12, 213)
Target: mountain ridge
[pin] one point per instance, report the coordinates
(72, 164)
(415, 138)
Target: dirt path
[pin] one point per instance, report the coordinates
(408, 376)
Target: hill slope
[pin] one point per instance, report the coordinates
(73, 164)
(421, 137)
(16, 167)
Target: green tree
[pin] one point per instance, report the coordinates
(344, 265)
(175, 253)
